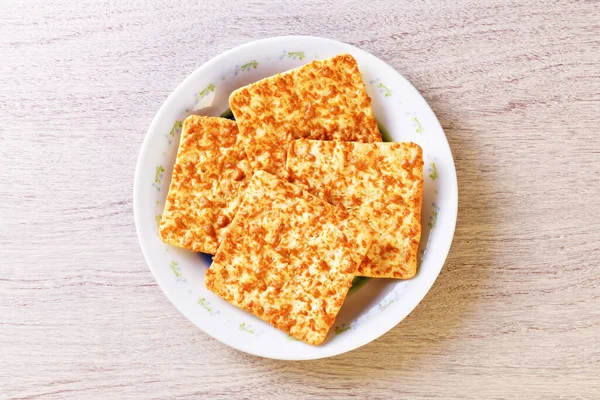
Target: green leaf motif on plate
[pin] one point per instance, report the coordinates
(385, 90)
(207, 306)
(159, 170)
(432, 220)
(175, 269)
(204, 92)
(294, 54)
(247, 328)
(176, 126)
(434, 173)
(417, 124)
(202, 301)
(250, 65)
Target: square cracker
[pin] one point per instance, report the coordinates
(324, 100)
(380, 183)
(289, 258)
(209, 177)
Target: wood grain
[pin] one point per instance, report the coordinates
(515, 311)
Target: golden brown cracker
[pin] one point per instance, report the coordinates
(289, 258)
(380, 183)
(324, 100)
(210, 174)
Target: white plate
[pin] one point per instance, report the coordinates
(371, 309)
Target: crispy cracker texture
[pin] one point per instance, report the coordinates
(289, 258)
(209, 177)
(380, 183)
(324, 100)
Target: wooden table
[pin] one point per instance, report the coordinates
(515, 312)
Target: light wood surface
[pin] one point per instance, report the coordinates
(515, 312)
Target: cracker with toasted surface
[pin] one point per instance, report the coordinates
(324, 100)
(289, 258)
(210, 174)
(380, 183)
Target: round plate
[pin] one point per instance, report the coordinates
(370, 309)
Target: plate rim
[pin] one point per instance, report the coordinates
(143, 154)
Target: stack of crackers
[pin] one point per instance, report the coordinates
(296, 197)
